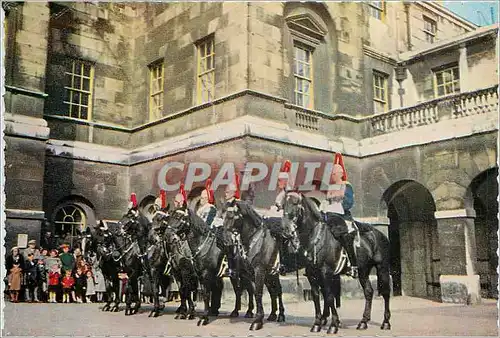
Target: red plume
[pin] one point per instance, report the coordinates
(340, 160)
(133, 199)
(163, 197)
(210, 192)
(237, 183)
(183, 193)
(286, 167)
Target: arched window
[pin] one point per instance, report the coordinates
(70, 222)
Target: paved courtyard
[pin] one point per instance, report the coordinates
(410, 317)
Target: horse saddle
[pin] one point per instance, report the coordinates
(363, 227)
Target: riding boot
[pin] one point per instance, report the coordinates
(347, 242)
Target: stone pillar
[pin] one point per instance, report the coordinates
(458, 279)
(463, 68)
(26, 131)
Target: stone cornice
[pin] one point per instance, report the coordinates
(441, 46)
(24, 214)
(27, 92)
(26, 126)
(458, 213)
(377, 55)
(443, 11)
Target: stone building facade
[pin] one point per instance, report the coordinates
(100, 97)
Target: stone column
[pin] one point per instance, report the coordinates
(458, 279)
(26, 131)
(463, 68)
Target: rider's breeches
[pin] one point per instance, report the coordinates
(341, 232)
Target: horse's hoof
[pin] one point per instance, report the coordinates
(256, 326)
(385, 326)
(362, 326)
(234, 314)
(332, 329)
(191, 316)
(249, 314)
(272, 317)
(182, 316)
(281, 318)
(199, 322)
(316, 328)
(204, 321)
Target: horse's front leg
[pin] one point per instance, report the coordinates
(128, 299)
(237, 292)
(260, 276)
(216, 296)
(383, 276)
(135, 292)
(366, 285)
(271, 288)
(249, 287)
(330, 293)
(156, 290)
(206, 300)
(109, 295)
(313, 281)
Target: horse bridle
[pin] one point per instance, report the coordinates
(296, 217)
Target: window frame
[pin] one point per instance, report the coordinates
(429, 34)
(297, 44)
(455, 82)
(72, 224)
(73, 62)
(375, 11)
(160, 64)
(201, 44)
(376, 74)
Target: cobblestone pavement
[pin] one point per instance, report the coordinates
(410, 317)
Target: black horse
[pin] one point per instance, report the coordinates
(158, 259)
(205, 255)
(101, 246)
(303, 222)
(261, 253)
(130, 251)
(182, 259)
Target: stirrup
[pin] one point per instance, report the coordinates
(353, 272)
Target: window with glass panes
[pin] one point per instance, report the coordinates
(447, 81)
(156, 91)
(206, 71)
(379, 92)
(430, 29)
(78, 87)
(376, 9)
(303, 76)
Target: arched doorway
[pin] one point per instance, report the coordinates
(414, 240)
(482, 196)
(70, 222)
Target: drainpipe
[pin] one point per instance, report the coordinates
(408, 25)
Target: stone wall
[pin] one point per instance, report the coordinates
(104, 187)
(97, 34)
(25, 130)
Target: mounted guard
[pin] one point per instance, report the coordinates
(338, 203)
(235, 247)
(207, 210)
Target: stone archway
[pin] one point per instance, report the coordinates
(482, 196)
(414, 240)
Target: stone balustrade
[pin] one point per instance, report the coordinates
(454, 106)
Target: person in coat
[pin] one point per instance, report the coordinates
(14, 264)
(67, 259)
(31, 279)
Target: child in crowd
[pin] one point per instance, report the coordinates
(80, 285)
(42, 279)
(67, 283)
(90, 286)
(31, 279)
(54, 276)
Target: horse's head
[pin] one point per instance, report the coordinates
(130, 222)
(233, 217)
(293, 212)
(179, 221)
